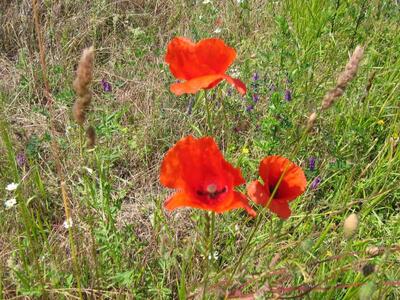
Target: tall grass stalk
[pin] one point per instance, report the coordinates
(54, 145)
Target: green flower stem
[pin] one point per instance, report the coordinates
(210, 228)
(260, 219)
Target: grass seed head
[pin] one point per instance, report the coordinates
(344, 78)
(84, 76)
(373, 251)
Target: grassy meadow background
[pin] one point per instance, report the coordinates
(124, 244)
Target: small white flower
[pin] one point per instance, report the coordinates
(10, 203)
(206, 1)
(68, 223)
(235, 72)
(12, 187)
(239, 1)
(216, 255)
(217, 30)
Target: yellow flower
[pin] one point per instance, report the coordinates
(381, 122)
(245, 150)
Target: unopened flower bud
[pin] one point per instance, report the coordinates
(350, 225)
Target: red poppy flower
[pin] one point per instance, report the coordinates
(202, 65)
(293, 184)
(202, 177)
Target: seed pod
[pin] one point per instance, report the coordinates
(350, 225)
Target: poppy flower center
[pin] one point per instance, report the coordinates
(212, 188)
(271, 190)
(212, 191)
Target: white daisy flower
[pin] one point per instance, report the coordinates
(68, 223)
(10, 203)
(12, 187)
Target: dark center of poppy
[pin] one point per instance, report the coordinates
(212, 191)
(271, 190)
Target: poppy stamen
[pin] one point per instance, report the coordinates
(211, 191)
(211, 188)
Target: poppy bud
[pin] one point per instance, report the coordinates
(373, 251)
(311, 121)
(350, 225)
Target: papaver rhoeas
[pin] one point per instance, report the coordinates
(202, 177)
(292, 185)
(201, 66)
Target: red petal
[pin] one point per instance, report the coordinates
(240, 201)
(176, 200)
(281, 208)
(293, 183)
(188, 60)
(192, 163)
(258, 193)
(215, 54)
(194, 85)
(235, 173)
(238, 84)
(234, 201)
(182, 59)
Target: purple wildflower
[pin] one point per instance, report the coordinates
(288, 95)
(315, 183)
(256, 98)
(229, 92)
(249, 108)
(106, 85)
(311, 164)
(255, 76)
(21, 159)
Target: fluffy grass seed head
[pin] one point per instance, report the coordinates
(84, 76)
(344, 78)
